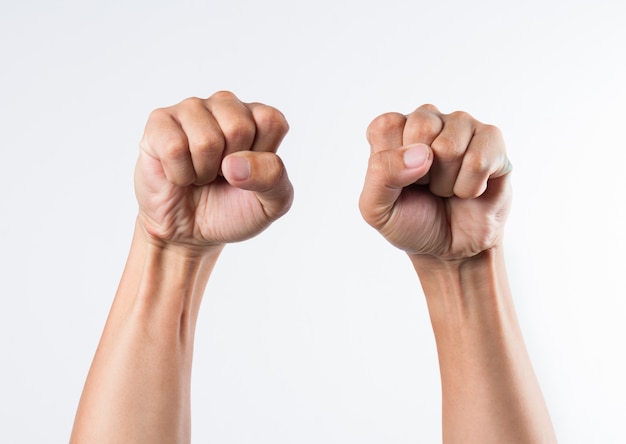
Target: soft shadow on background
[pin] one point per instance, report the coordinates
(316, 331)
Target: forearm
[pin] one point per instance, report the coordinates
(489, 390)
(138, 386)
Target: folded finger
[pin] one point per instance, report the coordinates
(205, 138)
(271, 127)
(485, 159)
(422, 126)
(165, 140)
(449, 149)
(234, 119)
(385, 132)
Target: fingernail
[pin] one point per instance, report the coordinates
(416, 155)
(239, 168)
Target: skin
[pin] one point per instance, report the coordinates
(207, 174)
(437, 187)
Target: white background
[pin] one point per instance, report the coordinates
(316, 331)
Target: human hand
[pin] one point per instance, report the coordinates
(208, 172)
(437, 184)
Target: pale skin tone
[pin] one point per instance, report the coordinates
(208, 174)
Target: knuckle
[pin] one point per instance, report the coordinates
(173, 146)
(446, 148)
(223, 95)
(492, 132)
(422, 127)
(277, 174)
(428, 108)
(377, 164)
(381, 168)
(159, 114)
(161, 138)
(460, 115)
(271, 120)
(239, 132)
(192, 102)
(206, 140)
(476, 163)
(385, 123)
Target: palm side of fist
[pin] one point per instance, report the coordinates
(208, 172)
(437, 184)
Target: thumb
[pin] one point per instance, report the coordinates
(263, 173)
(388, 173)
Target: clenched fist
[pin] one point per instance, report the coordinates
(437, 184)
(208, 172)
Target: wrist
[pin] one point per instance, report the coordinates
(427, 264)
(183, 250)
(163, 284)
(465, 290)
(481, 353)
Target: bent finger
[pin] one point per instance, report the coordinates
(385, 132)
(205, 138)
(165, 141)
(234, 119)
(271, 127)
(485, 159)
(449, 149)
(422, 125)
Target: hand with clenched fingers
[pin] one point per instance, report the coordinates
(208, 172)
(437, 187)
(437, 184)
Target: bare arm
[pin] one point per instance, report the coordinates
(138, 385)
(438, 188)
(489, 390)
(207, 175)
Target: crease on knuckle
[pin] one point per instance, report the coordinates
(193, 102)
(428, 108)
(475, 163)
(173, 147)
(379, 165)
(385, 123)
(271, 120)
(460, 115)
(159, 114)
(207, 142)
(239, 133)
(446, 149)
(492, 132)
(223, 95)
(423, 127)
(272, 173)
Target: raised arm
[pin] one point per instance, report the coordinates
(438, 188)
(207, 175)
